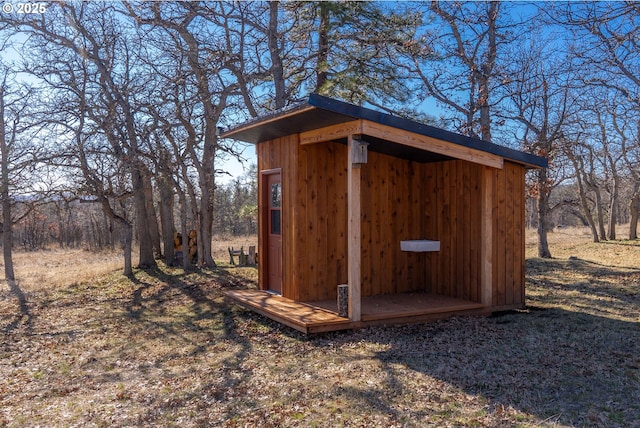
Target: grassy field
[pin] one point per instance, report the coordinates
(93, 348)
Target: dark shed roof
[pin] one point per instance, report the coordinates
(320, 111)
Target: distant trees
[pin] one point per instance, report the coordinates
(237, 203)
(81, 223)
(604, 45)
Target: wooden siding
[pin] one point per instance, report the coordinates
(281, 153)
(452, 212)
(392, 196)
(321, 221)
(509, 258)
(401, 200)
(451, 216)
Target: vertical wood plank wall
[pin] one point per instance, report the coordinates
(452, 211)
(321, 221)
(281, 153)
(452, 217)
(509, 257)
(392, 197)
(400, 200)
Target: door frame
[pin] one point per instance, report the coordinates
(264, 228)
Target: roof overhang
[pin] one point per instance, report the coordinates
(324, 119)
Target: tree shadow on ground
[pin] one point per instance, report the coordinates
(575, 364)
(586, 286)
(572, 368)
(23, 317)
(148, 304)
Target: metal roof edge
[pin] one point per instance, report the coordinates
(261, 120)
(360, 112)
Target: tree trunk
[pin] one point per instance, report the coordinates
(7, 226)
(543, 215)
(612, 219)
(184, 230)
(634, 209)
(323, 47)
(147, 259)
(166, 218)
(487, 72)
(613, 208)
(127, 238)
(126, 232)
(152, 221)
(583, 197)
(7, 237)
(206, 207)
(600, 213)
(206, 170)
(277, 69)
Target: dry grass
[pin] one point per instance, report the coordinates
(63, 267)
(577, 242)
(93, 348)
(55, 268)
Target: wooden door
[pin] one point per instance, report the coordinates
(273, 233)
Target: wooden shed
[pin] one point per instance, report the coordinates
(418, 222)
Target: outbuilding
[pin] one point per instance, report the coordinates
(409, 221)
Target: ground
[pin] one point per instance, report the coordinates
(93, 348)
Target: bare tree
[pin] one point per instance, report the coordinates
(456, 59)
(572, 152)
(632, 160)
(627, 127)
(81, 52)
(612, 157)
(7, 144)
(607, 130)
(193, 31)
(21, 155)
(6, 141)
(604, 42)
(92, 34)
(538, 87)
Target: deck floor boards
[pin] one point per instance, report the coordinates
(323, 316)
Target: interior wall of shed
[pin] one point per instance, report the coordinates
(401, 200)
(452, 215)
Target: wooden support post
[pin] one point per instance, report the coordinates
(488, 208)
(354, 248)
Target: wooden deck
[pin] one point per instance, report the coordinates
(321, 316)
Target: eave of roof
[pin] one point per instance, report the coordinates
(320, 111)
